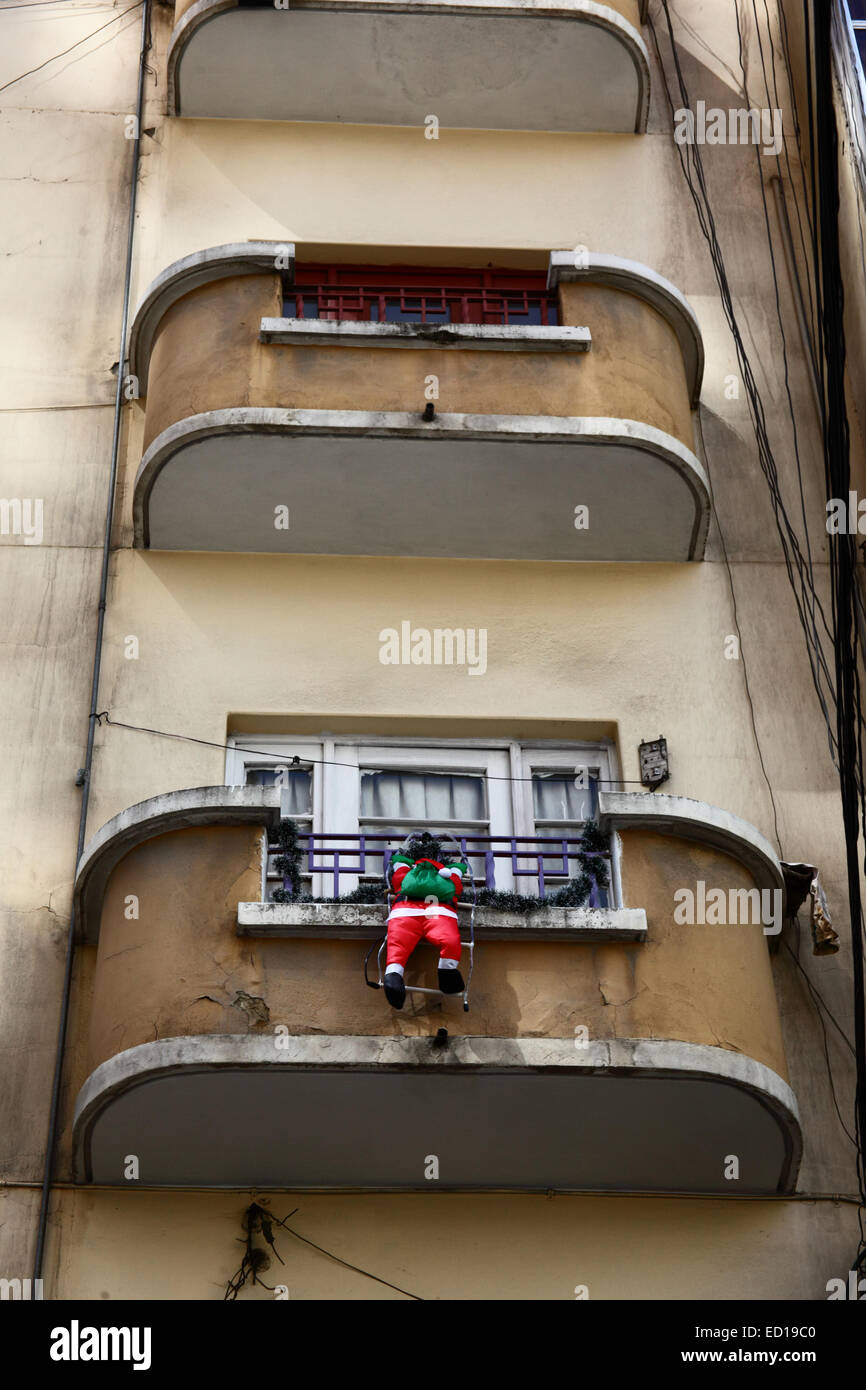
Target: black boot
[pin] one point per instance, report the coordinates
(451, 982)
(395, 990)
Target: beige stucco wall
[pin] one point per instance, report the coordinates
(519, 1247)
(177, 969)
(233, 639)
(207, 356)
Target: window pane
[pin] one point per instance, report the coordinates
(857, 9)
(422, 796)
(413, 311)
(556, 797)
(298, 781)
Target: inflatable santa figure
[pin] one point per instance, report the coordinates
(425, 908)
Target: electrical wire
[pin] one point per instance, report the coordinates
(820, 1016)
(72, 46)
(345, 1263)
(736, 616)
(776, 291)
(818, 998)
(43, 4)
(843, 559)
(800, 580)
(794, 107)
(841, 689)
(299, 758)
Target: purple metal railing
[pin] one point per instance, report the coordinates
(322, 857)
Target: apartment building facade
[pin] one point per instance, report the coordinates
(438, 506)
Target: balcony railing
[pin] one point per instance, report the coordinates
(368, 856)
(421, 304)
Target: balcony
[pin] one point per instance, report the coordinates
(232, 1041)
(557, 408)
(574, 65)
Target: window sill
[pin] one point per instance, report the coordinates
(350, 921)
(492, 337)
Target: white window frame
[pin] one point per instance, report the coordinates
(337, 762)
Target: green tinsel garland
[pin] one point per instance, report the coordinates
(575, 893)
(288, 863)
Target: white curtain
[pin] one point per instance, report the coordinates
(424, 797)
(555, 797)
(296, 781)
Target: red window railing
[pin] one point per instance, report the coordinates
(399, 294)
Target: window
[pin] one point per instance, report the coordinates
(857, 11)
(517, 809)
(399, 800)
(409, 294)
(848, 31)
(299, 785)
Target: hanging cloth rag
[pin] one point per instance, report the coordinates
(801, 882)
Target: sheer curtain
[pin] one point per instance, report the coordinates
(556, 798)
(296, 781)
(423, 797)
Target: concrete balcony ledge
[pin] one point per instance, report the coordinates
(590, 267)
(688, 819)
(675, 816)
(558, 453)
(226, 262)
(647, 494)
(558, 65)
(509, 1113)
(217, 805)
(245, 258)
(653, 1102)
(358, 921)
(481, 337)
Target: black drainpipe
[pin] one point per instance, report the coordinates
(97, 653)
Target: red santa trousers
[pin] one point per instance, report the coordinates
(407, 925)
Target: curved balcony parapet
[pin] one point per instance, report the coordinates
(316, 1112)
(647, 495)
(585, 267)
(689, 819)
(189, 273)
(217, 805)
(574, 65)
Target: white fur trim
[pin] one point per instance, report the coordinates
(434, 910)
